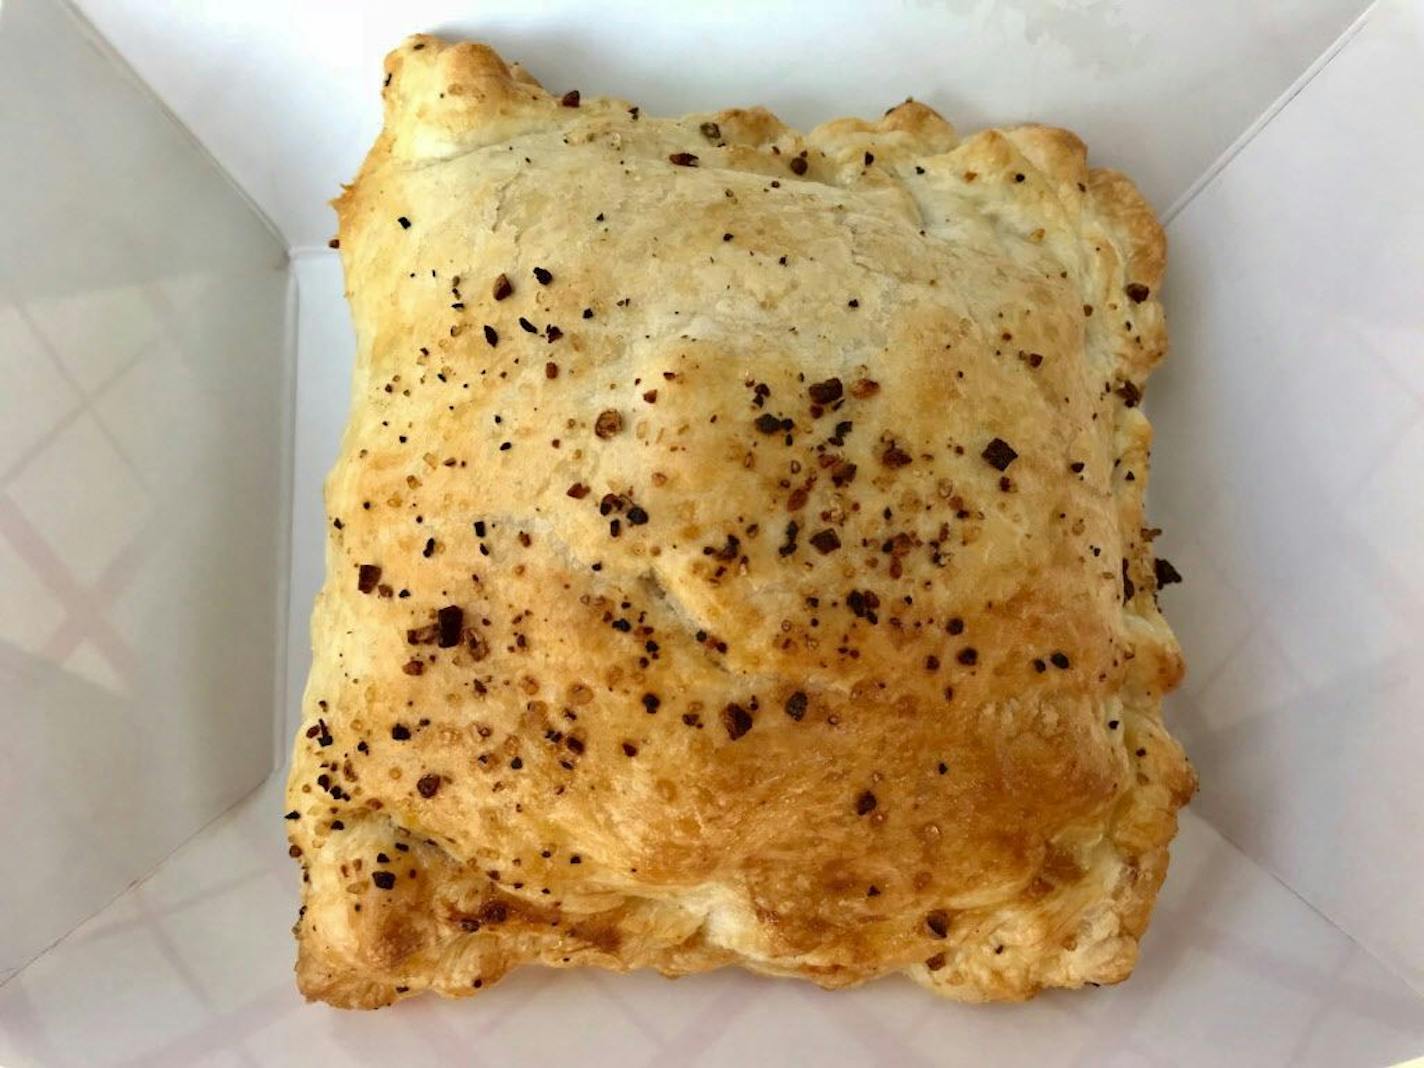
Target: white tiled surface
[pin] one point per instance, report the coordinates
(94, 333)
(36, 398)
(77, 485)
(285, 94)
(141, 509)
(196, 962)
(1289, 476)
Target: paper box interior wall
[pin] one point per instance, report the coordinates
(176, 357)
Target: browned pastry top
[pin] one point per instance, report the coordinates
(736, 553)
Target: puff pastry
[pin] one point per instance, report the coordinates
(737, 553)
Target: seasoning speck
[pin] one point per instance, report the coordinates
(428, 785)
(894, 457)
(1165, 572)
(452, 625)
(737, 720)
(865, 803)
(999, 453)
(608, 423)
(544, 276)
(683, 159)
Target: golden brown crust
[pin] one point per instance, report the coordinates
(748, 584)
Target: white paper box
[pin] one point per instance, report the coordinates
(174, 377)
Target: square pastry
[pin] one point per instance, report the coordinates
(737, 553)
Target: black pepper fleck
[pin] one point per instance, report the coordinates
(367, 575)
(737, 721)
(999, 454)
(452, 625)
(1165, 572)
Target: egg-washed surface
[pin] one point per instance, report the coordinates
(736, 553)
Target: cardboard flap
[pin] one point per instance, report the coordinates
(286, 95)
(1290, 481)
(142, 510)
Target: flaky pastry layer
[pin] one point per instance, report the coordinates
(736, 553)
